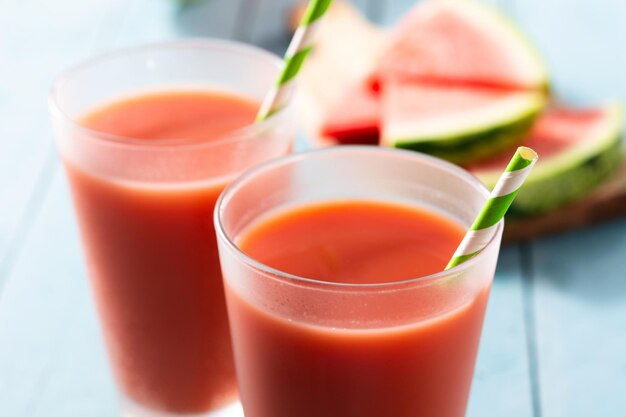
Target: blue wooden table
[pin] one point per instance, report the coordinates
(554, 343)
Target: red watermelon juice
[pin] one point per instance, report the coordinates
(403, 353)
(151, 247)
(149, 137)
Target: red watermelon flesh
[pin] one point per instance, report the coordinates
(459, 42)
(354, 118)
(556, 130)
(430, 101)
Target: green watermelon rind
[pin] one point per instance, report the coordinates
(473, 147)
(571, 175)
(570, 186)
(465, 147)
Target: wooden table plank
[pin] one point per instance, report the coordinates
(36, 304)
(577, 285)
(580, 307)
(20, 159)
(51, 356)
(26, 153)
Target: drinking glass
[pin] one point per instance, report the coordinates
(145, 207)
(305, 347)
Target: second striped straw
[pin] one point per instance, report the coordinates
(500, 199)
(299, 48)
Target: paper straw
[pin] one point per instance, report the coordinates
(299, 48)
(500, 199)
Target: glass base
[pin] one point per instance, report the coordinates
(130, 409)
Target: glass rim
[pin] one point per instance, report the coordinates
(241, 133)
(272, 164)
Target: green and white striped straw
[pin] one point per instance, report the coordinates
(500, 199)
(299, 48)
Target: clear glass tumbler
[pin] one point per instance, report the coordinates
(145, 214)
(307, 348)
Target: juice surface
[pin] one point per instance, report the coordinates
(185, 115)
(354, 242)
(153, 259)
(289, 368)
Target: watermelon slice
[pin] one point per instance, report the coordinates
(454, 112)
(577, 148)
(460, 42)
(456, 123)
(354, 118)
(334, 100)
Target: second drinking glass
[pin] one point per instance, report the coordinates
(149, 138)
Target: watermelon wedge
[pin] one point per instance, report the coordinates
(460, 42)
(578, 149)
(456, 123)
(334, 100)
(354, 118)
